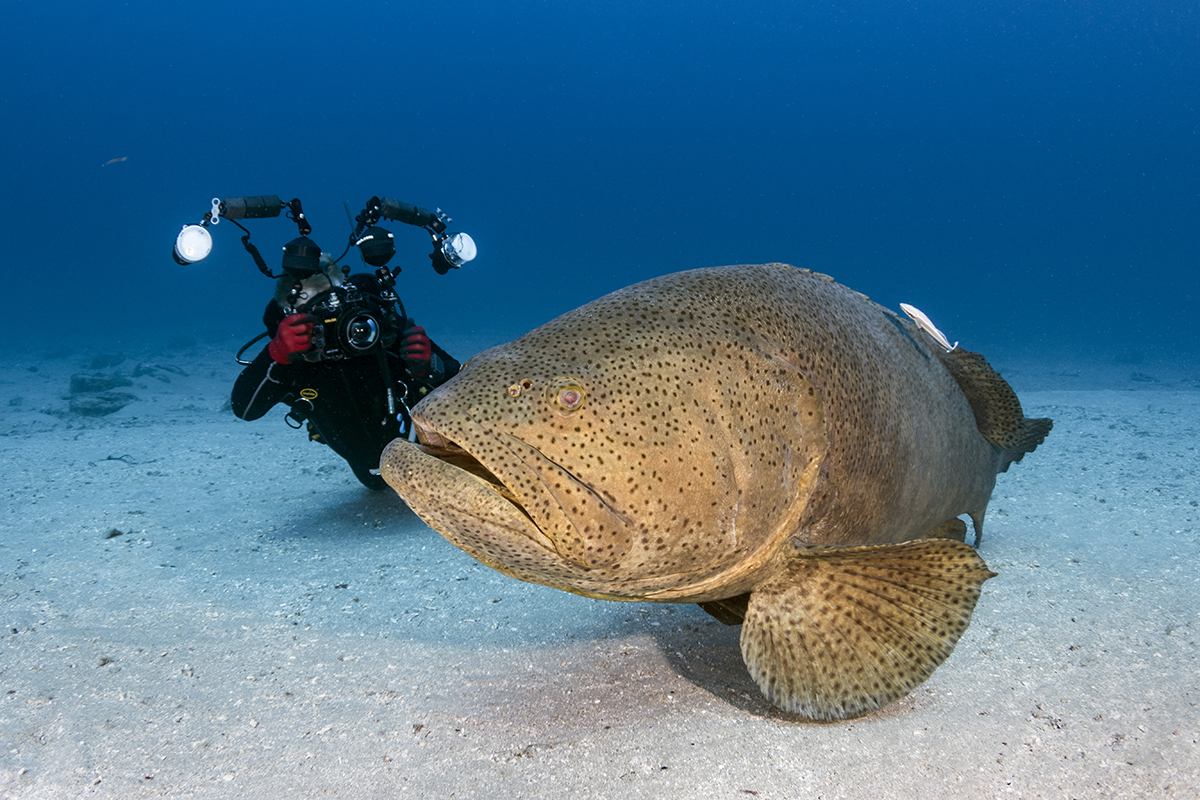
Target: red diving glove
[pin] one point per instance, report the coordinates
(417, 351)
(291, 338)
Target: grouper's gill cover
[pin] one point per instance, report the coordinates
(734, 436)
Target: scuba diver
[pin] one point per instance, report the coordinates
(343, 401)
(342, 355)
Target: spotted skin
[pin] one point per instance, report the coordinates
(724, 432)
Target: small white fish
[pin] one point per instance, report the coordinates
(926, 324)
(114, 161)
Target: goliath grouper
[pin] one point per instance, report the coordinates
(757, 439)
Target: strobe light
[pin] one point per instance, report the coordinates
(193, 244)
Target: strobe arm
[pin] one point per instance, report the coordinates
(434, 222)
(261, 207)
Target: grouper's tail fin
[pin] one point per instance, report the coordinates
(998, 413)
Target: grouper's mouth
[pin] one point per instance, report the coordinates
(446, 450)
(495, 495)
(484, 497)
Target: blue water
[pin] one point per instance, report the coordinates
(1028, 173)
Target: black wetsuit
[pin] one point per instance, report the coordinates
(344, 402)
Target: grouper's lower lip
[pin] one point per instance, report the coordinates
(436, 476)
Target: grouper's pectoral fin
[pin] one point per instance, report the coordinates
(842, 631)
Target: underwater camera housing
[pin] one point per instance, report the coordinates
(349, 321)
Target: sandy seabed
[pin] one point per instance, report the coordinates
(195, 606)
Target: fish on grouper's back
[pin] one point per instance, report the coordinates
(757, 439)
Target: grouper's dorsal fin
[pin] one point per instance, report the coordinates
(997, 410)
(842, 631)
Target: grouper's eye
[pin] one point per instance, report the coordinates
(565, 395)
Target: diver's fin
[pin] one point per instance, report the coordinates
(842, 631)
(997, 410)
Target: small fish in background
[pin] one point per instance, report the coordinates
(114, 161)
